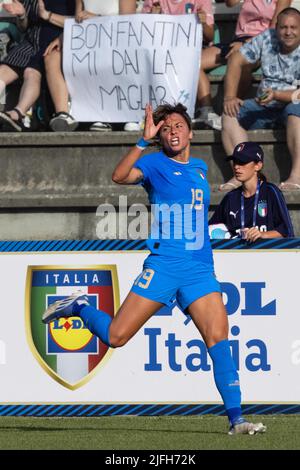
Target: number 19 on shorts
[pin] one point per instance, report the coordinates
(144, 279)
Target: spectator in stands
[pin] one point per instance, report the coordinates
(203, 8)
(42, 22)
(9, 33)
(279, 53)
(62, 120)
(256, 209)
(255, 17)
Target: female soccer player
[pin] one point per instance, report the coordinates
(256, 209)
(180, 264)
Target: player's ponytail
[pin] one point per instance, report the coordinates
(261, 176)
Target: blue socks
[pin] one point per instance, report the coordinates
(97, 321)
(225, 372)
(226, 379)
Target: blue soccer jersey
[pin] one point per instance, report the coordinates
(271, 214)
(179, 196)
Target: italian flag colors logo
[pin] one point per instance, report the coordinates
(262, 208)
(65, 348)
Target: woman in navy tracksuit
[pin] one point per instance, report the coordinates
(257, 208)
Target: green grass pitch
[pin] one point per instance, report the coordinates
(147, 433)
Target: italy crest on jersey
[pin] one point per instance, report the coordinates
(65, 348)
(262, 208)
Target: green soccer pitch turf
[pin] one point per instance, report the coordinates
(148, 433)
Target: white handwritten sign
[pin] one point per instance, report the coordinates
(115, 65)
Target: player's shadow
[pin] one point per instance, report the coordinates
(103, 429)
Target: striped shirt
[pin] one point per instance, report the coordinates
(29, 52)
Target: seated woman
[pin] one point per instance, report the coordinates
(62, 121)
(42, 22)
(203, 8)
(257, 208)
(205, 14)
(255, 17)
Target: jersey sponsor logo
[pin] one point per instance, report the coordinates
(65, 348)
(234, 214)
(262, 209)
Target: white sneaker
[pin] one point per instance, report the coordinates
(63, 122)
(132, 127)
(101, 127)
(245, 427)
(212, 120)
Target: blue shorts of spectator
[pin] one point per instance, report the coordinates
(252, 115)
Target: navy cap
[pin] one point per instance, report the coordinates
(247, 152)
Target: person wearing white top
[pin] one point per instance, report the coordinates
(105, 8)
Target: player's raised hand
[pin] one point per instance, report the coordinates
(15, 8)
(150, 129)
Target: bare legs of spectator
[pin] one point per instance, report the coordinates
(30, 91)
(210, 59)
(56, 81)
(62, 121)
(232, 134)
(7, 76)
(205, 114)
(293, 142)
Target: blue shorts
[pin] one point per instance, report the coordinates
(165, 279)
(254, 116)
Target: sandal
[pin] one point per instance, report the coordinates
(9, 124)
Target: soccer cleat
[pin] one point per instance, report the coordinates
(65, 307)
(244, 427)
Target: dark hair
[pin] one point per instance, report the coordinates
(261, 176)
(288, 11)
(164, 110)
